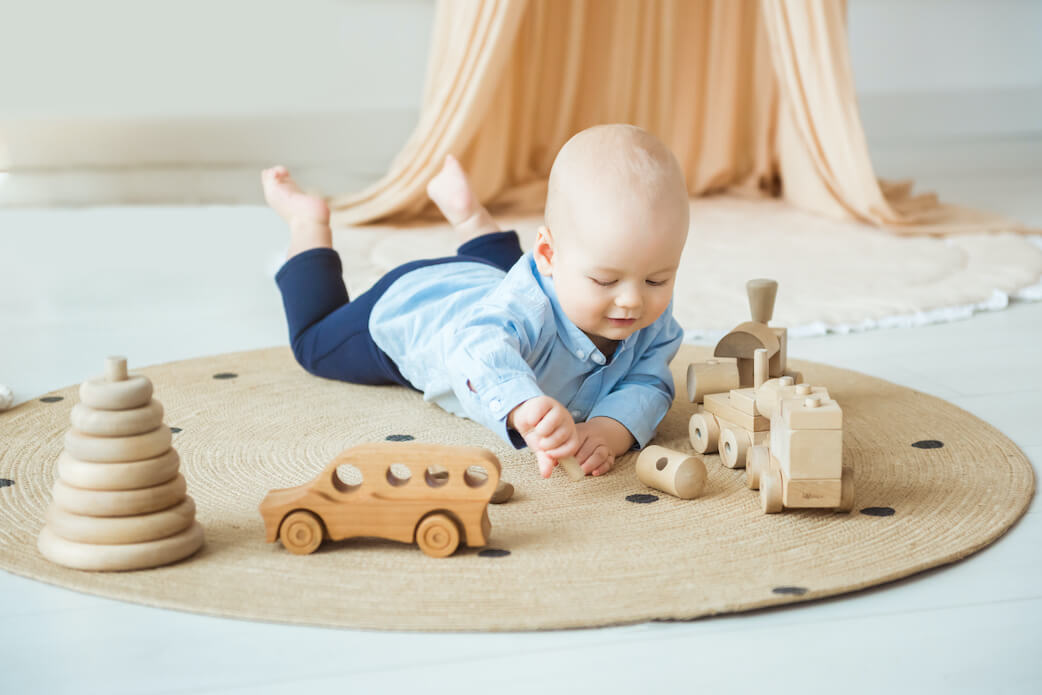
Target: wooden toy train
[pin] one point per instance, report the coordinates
(756, 412)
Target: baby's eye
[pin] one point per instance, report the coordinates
(658, 283)
(604, 283)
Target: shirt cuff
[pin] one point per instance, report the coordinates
(640, 413)
(492, 405)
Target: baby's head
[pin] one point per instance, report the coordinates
(616, 223)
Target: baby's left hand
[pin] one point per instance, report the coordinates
(595, 456)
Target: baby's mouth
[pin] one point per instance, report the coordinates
(622, 322)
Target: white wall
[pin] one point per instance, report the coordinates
(335, 84)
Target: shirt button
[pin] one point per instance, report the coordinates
(598, 358)
(580, 354)
(577, 413)
(495, 404)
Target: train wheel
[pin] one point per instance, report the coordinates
(437, 535)
(301, 533)
(734, 444)
(771, 491)
(757, 461)
(846, 495)
(704, 431)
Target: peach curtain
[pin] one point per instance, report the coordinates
(752, 94)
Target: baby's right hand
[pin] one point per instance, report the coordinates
(548, 428)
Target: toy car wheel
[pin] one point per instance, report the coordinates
(846, 495)
(757, 461)
(771, 491)
(704, 431)
(437, 535)
(301, 533)
(733, 446)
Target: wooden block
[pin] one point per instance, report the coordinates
(772, 489)
(86, 556)
(711, 376)
(119, 502)
(779, 361)
(808, 454)
(719, 404)
(744, 400)
(138, 447)
(504, 491)
(703, 431)
(572, 468)
(671, 471)
(760, 360)
(745, 372)
(811, 493)
(745, 339)
(130, 475)
(117, 423)
(761, 293)
(116, 530)
(799, 413)
(770, 396)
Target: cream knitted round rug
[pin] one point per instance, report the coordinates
(933, 484)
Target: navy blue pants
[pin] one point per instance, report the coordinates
(330, 334)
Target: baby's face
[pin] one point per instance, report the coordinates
(614, 268)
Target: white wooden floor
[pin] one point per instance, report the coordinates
(162, 284)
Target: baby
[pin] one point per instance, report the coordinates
(565, 348)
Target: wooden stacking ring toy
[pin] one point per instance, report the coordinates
(117, 423)
(116, 390)
(121, 529)
(119, 502)
(133, 556)
(138, 447)
(129, 475)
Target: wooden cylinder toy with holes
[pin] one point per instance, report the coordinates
(674, 472)
(119, 501)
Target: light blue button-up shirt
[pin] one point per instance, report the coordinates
(479, 342)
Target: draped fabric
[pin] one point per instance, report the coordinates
(749, 94)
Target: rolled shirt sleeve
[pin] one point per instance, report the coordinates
(641, 399)
(487, 368)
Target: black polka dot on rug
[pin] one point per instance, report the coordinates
(400, 437)
(928, 444)
(52, 399)
(789, 590)
(493, 552)
(642, 498)
(6, 482)
(878, 511)
(225, 375)
(175, 430)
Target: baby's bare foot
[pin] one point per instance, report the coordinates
(451, 192)
(286, 198)
(307, 215)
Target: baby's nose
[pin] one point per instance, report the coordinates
(628, 299)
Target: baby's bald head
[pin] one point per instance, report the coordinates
(616, 177)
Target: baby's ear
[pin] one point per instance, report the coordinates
(543, 252)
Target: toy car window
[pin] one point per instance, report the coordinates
(436, 475)
(398, 474)
(348, 478)
(476, 476)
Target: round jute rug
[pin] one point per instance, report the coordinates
(933, 484)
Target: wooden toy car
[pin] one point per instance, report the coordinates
(433, 495)
(804, 465)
